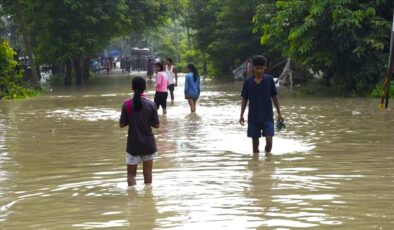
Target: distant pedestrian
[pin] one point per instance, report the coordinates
(127, 63)
(161, 87)
(192, 86)
(107, 65)
(140, 114)
(150, 65)
(172, 76)
(122, 64)
(260, 91)
(114, 60)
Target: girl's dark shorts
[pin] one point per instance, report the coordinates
(161, 99)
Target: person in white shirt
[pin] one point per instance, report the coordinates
(172, 76)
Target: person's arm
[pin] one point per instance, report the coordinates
(176, 76)
(274, 95)
(186, 84)
(244, 103)
(123, 121)
(198, 86)
(155, 118)
(277, 106)
(158, 79)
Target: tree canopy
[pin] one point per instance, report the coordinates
(346, 40)
(223, 29)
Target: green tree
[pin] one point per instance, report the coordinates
(71, 31)
(11, 84)
(224, 31)
(18, 9)
(346, 40)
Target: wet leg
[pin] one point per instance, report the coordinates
(131, 174)
(268, 145)
(195, 104)
(191, 104)
(147, 170)
(172, 94)
(256, 145)
(164, 105)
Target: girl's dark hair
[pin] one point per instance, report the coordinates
(138, 85)
(160, 65)
(169, 59)
(194, 70)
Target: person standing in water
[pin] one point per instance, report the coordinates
(140, 114)
(259, 90)
(161, 87)
(192, 86)
(149, 68)
(172, 76)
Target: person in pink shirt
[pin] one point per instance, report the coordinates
(161, 87)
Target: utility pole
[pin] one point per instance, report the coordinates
(387, 81)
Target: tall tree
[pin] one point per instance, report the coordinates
(18, 10)
(11, 84)
(71, 31)
(224, 31)
(346, 40)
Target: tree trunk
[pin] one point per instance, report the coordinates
(205, 65)
(78, 70)
(177, 57)
(67, 73)
(28, 45)
(189, 44)
(85, 68)
(57, 69)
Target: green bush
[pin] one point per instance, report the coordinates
(378, 91)
(11, 83)
(317, 87)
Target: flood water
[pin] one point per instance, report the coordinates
(62, 164)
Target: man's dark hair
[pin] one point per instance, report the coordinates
(169, 59)
(259, 60)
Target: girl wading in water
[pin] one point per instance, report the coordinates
(161, 88)
(140, 114)
(192, 86)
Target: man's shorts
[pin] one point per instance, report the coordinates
(256, 130)
(161, 99)
(171, 87)
(135, 160)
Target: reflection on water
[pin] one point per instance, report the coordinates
(62, 164)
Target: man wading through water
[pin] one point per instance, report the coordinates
(259, 90)
(172, 76)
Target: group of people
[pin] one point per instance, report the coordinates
(167, 80)
(141, 114)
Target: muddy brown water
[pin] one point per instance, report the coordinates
(62, 164)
